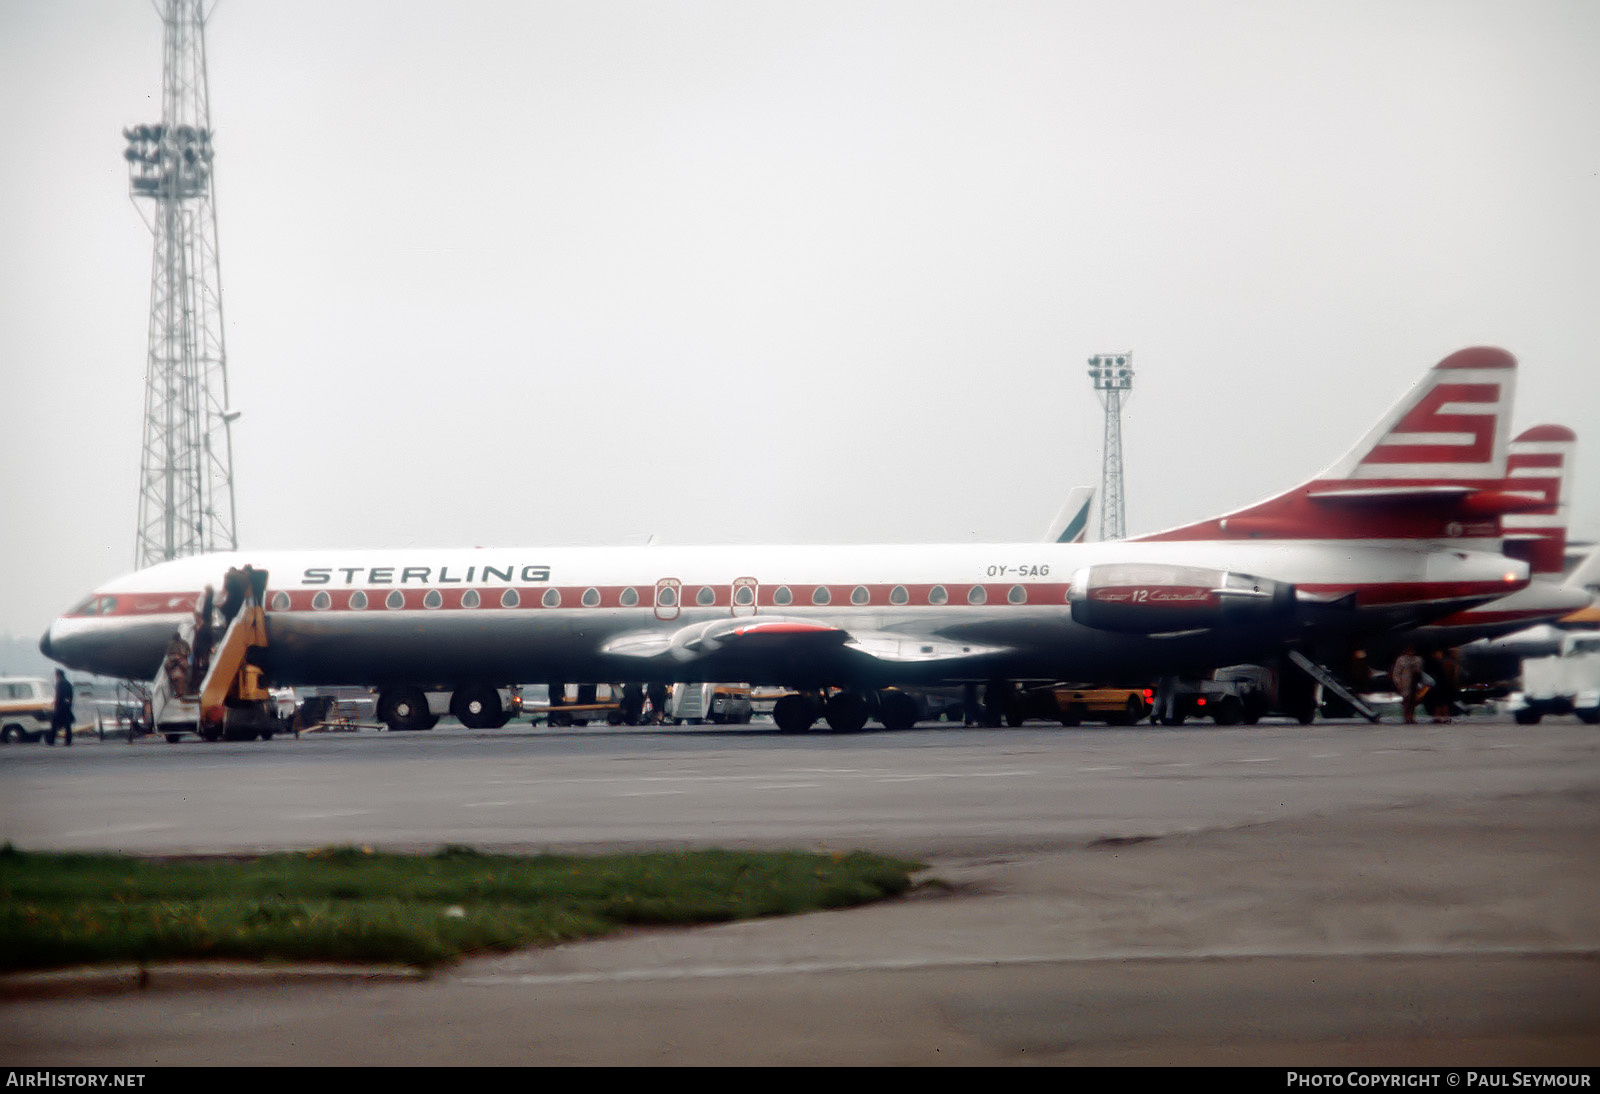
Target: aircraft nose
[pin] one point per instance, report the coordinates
(44, 645)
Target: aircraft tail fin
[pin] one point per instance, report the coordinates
(1072, 523)
(1434, 467)
(1541, 461)
(1586, 575)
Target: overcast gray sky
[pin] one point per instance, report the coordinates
(740, 271)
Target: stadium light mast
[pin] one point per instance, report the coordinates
(186, 463)
(1112, 374)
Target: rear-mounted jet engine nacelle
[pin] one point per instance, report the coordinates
(1140, 598)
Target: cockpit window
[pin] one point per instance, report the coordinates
(88, 607)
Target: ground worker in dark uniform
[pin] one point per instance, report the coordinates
(657, 694)
(205, 636)
(235, 587)
(61, 717)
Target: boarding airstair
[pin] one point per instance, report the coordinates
(1333, 684)
(173, 711)
(232, 700)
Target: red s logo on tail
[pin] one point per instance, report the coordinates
(1427, 434)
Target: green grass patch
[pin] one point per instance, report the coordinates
(348, 904)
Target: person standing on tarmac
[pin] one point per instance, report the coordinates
(61, 717)
(1407, 677)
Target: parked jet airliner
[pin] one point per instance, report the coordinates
(1540, 464)
(1404, 529)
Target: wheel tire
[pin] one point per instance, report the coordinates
(476, 706)
(846, 712)
(404, 709)
(794, 714)
(1133, 711)
(1228, 712)
(1589, 716)
(896, 710)
(8, 735)
(173, 738)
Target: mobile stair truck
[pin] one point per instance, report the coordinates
(232, 702)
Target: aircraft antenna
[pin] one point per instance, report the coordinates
(186, 463)
(1112, 374)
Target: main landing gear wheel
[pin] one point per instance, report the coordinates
(794, 713)
(477, 706)
(405, 708)
(846, 712)
(896, 710)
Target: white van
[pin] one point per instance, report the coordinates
(26, 705)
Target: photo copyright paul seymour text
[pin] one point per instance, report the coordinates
(1464, 1079)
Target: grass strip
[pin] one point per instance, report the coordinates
(350, 904)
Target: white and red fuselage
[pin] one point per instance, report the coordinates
(896, 614)
(1403, 530)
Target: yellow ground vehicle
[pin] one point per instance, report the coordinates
(1113, 706)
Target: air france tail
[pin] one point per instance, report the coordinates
(1072, 523)
(1434, 468)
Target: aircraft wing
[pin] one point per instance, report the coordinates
(779, 640)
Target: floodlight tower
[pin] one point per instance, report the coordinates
(1112, 374)
(186, 464)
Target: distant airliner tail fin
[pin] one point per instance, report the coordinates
(1072, 523)
(1541, 461)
